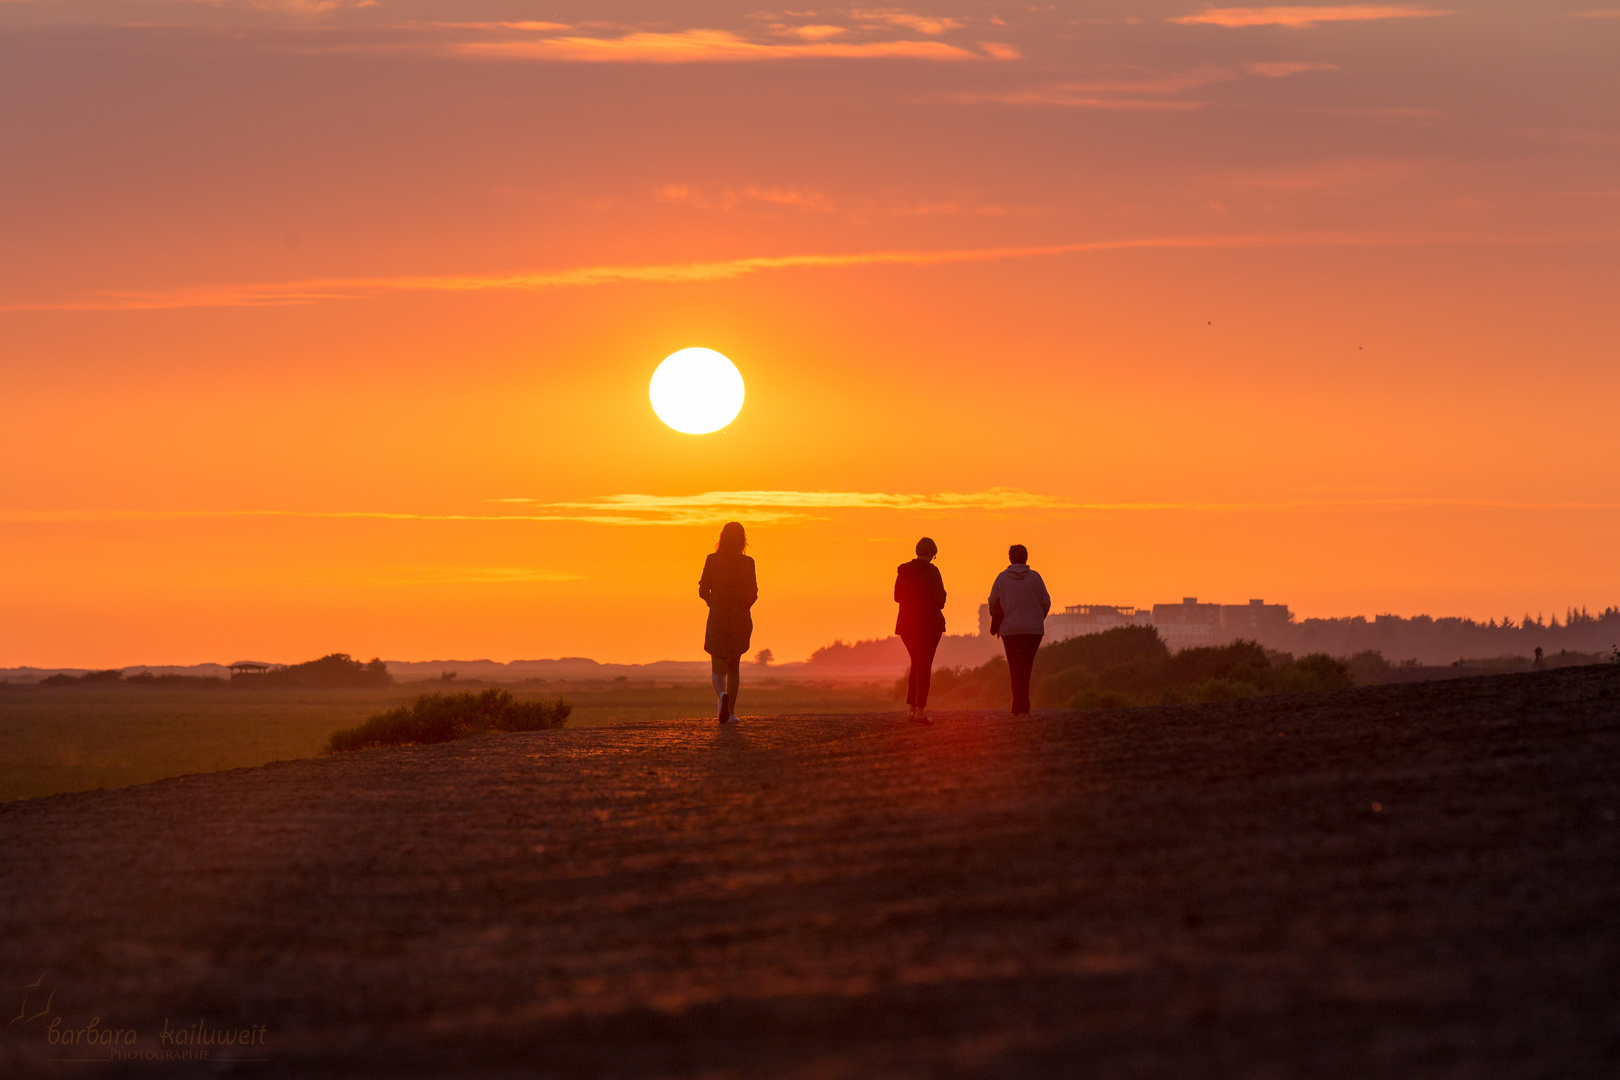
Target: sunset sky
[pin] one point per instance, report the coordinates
(328, 326)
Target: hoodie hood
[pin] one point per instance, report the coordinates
(1017, 570)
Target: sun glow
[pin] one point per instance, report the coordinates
(696, 391)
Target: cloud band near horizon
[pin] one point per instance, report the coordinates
(1300, 17)
(319, 290)
(712, 508)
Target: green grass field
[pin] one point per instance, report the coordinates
(77, 738)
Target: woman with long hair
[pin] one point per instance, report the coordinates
(920, 591)
(729, 587)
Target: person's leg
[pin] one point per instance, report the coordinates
(1029, 667)
(1010, 645)
(734, 680)
(913, 646)
(717, 675)
(922, 666)
(1021, 649)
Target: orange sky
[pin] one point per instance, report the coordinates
(328, 326)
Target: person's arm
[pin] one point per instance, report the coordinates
(753, 584)
(1046, 599)
(996, 610)
(938, 588)
(706, 585)
(899, 576)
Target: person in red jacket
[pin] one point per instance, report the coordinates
(920, 591)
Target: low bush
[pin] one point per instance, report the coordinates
(436, 718)
(182, 682)
(334, 669)
(111, 675)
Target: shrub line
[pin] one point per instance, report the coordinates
(437, 718)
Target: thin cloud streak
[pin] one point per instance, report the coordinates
(466, 575)
(1299, 18)
(701, 46)
(1140, 92)
(728, 501)
(787, 508)
(318, 290)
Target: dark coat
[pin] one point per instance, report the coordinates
(920, 591)
(729, 587)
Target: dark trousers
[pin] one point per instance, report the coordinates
(922, 648)
(1021, 649)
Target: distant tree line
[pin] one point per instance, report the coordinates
(334, 669)
(955, 650)
(1420, 638)
(1431, 640)
(140, 678)
(1130, 665)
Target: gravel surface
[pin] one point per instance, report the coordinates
(1401, 881)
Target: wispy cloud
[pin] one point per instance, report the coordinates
(812, 32)
(700, 46)
(1000, 50)
(715, 506)
(1148, 91)
(782, 508)
(318, 290)
(794, 198)
(1325, 176)
(1281, 69)
(292, 7)
(922, 24)
(463, 575)
(1303, 17)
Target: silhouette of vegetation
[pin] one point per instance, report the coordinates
(148, 678)
(1130, 665)
(140, 678)
(334, 669)
(955, 650)
(437, 718)
(1441, 640)
(108, 676)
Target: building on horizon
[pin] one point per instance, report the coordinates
(1078, 619)
(1255, 619)
(1188, 624)
(1184, 625)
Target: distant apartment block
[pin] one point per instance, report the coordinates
(1080, 619)
(1188, 623)
(1254, 619)
(1182, 625)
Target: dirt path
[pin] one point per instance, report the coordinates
(1390, 882)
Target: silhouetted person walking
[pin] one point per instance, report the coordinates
(729, 587)
(1018, 607)
(920, 592)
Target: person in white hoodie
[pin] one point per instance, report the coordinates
(1018, 606)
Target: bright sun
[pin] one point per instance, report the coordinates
(697, 391)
